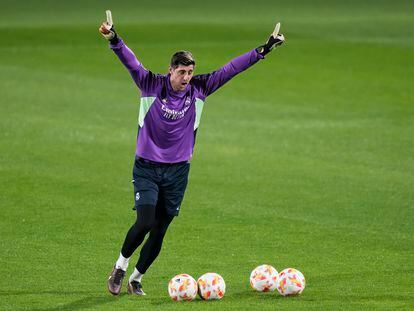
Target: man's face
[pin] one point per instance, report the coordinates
(181, 76)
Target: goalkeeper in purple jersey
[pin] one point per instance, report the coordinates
(169, 116)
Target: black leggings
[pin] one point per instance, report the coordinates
(152, 219)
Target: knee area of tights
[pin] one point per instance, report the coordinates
(146, 216)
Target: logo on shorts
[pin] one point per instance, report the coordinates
(137, 196)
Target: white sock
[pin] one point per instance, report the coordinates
(122, 262)
(136, 276)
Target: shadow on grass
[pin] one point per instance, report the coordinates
(358, 298)
(236, 296)
(45, 292)
(92, 299)
(95, 299)
(83, 303)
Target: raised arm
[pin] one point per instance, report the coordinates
(212, 81)
(142, 77)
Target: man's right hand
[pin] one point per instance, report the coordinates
(107, 29)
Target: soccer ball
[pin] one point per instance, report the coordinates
(182, 287)
(211, 286)
(263, 278)
(290, 282)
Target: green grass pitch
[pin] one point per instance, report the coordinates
(306, 160)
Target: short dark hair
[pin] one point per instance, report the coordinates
(184, 58)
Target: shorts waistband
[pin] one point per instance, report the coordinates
(142, 160)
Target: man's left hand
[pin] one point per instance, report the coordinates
(274, 40)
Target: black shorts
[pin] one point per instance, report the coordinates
(160, 184)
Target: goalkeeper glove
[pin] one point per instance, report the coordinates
(107, 29)
(274, 40)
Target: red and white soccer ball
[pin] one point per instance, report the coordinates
(290, 282)
(263, 278)
(182, 287)
(211, 286)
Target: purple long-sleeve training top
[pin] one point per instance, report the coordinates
(168, 120)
